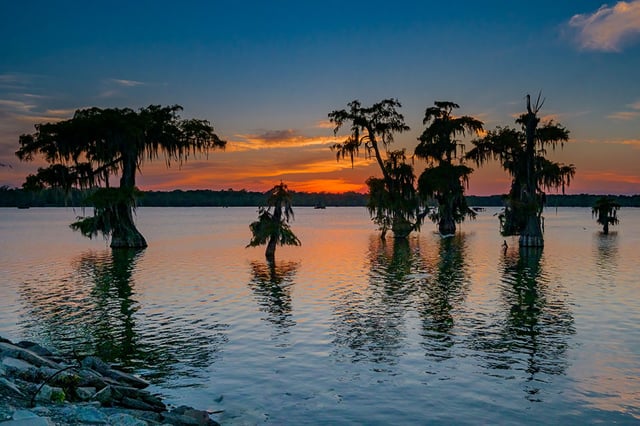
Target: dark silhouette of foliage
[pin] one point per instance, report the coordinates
(393, 201)
(522, 155)
(96, 144)
(443, 180)
(605, 211)
(272, 227)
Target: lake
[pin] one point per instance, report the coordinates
(345, 329)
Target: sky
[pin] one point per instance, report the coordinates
(267, 73)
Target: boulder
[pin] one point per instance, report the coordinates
(7, 349)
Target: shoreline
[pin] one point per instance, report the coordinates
(38, 387)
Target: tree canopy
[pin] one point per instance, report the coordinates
(443, 180)
(97, 145)
(522, 153)
(605, 210)
(272, 227)
(393, 201)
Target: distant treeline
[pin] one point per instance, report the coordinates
(13, 197)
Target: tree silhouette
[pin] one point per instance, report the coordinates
(522, 155)
(97, 144)
(442, 180)
(393, 202)
(605, 211)
(272, 226)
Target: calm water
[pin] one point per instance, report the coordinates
(345, 329)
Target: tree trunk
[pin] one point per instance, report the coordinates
(270, 253)
(401, 228)
(605, 227)
(125, 234)
(447, 226)
(531, 236)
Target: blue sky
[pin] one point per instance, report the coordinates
(267, 73)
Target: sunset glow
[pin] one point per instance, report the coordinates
(267, 89)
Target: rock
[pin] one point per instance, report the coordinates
(35, 348)
(51, 394)
(199, 416)
(137, 404)
(126, 378)
(123, 419)
(90, 414)
(15, 364)
(25, 354)
(104, 396)
(36, 421)
(27, 418)
(95, 363)
(103, 368)
(85, 393)
(6, 384)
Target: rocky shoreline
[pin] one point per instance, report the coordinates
(38, 387)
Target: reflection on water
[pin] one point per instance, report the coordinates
(271, 283)
(94, 311)
(533, 338)
(369, 322)
(441, 293)
(357, 330)
(606, 255)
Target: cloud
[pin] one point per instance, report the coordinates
(609, 28)
(627, 115)
(273, 139)
(127, 83)
(634, 143)
(624, 115)
(325, 124)
(11, 105)
(113, 87)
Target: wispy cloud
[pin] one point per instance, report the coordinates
(7, 104)
(325, 124)
(609, 28)
(271, 139)
(627, 115)
(127, 83)
(114, 87)
(635, 143)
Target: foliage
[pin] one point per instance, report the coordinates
(393, 202)
(522, 154)
(442, 180)
(272, 227)
(605, 211)
(97, 144)
(106, 215)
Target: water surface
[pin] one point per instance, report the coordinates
(346, 329)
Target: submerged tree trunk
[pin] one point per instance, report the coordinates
(605, 227)
(531, 235)
(125, 234)
(447, 226)
(270, 252)
(401, 228)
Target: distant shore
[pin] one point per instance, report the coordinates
(14, 197)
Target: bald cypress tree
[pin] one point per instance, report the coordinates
(97, 145)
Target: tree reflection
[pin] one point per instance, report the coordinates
(533, 338)
(271, 282)
(441, 293)
(369, 322)
(606, 255)
(95, 311)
